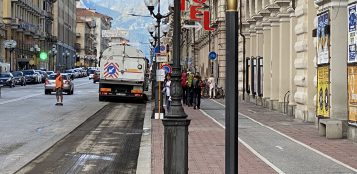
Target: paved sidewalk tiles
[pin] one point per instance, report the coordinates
(340, 149)
(206, 148)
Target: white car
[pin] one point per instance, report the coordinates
(91, 73)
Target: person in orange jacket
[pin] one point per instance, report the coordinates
(59, 88)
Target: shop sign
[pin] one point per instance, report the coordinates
(352, 33)
(323, 91)
(352, 93)
(195, 12)
(323, 39)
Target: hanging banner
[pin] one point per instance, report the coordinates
(323, 92)
(352, 33)
(323, 39)
(352, 93)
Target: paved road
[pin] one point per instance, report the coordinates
(107, 143)
(31, 123)
(283, 154)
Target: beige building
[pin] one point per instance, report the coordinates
(101, 22)
(64, 28)
(29, 24)
(85, 43)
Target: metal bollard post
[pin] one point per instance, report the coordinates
(0, 90)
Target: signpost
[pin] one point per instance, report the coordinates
(162, 58)
(212, 55)
(160, 75)
(167, 68)
(114, 33)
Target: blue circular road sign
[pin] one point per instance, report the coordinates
(212, 55)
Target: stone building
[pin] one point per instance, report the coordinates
(198, 43)
(64, 28)
(29, 24)
(85, 46)
(2, 35)
(102, 22)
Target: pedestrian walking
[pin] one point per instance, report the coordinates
(189, 89)
(167, 90)
(197, 85)
(59, 89)
(184, 86)
(212, 84)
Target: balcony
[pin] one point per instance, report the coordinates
(77, 47)
(15, 23)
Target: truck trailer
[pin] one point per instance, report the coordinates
(122, 72)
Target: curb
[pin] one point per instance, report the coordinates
(144, 158)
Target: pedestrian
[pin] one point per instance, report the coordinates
(212, 84)
(167, 86)
(189, 89)
(197, 85)
(59, 89)
(184, 86)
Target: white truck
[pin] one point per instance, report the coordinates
(122, 72)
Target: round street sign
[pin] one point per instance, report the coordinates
(167, 68)
(212, 55)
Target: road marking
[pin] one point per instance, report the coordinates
(266, 161)
(279, 147)
(30, 96)
(296, 141)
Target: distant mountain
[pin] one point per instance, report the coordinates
(119, 10)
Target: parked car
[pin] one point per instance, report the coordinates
(91, 73)
(7, 79)
(77, 73)
(38, 77)
(43, 75)
(50, 72)
(71, 73)
(31, 76)
(19, 78)
(68, 85)
(96, 76)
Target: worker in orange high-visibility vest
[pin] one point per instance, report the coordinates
(59, 89)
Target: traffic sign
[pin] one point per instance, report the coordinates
(212, 55)
(167, 68)
(192, 24)
(162, 49)
(160, 75)
(162, 58)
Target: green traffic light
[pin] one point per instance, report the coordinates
(43, 55)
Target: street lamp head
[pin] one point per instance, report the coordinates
(150, 4)
(171, 4)
(151, 28)
(232, 5)
(165, 28)
(152, 40)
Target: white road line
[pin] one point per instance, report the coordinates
(298, 142)
(30, 96)
(266, 161)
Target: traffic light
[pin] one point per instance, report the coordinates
(43, 56)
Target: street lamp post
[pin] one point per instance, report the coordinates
(66, 55)
(151, 6)
(35, 49)
(231, 110)
(52, 52)
(176, 122)
(10, 45)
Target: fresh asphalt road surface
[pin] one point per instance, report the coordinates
(285, 155)
(31, 123)
(108, 142)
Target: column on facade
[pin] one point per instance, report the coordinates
(246, 33)
(292, 86)
(259, 35)
(284, 52)
(305, 61)
(253, 46)
(338, 56)
(275, 46)
(266, 56)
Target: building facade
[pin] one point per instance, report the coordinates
(2, 35)
(85, 43)
(29, 23)
(101, 22)
(64, 28)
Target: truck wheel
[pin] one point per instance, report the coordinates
(101, 98)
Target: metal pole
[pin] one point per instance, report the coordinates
(176, 122)
(231, 112)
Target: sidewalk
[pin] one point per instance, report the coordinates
(206, 148)
(306, 133)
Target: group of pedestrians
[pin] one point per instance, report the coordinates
(192, 86)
